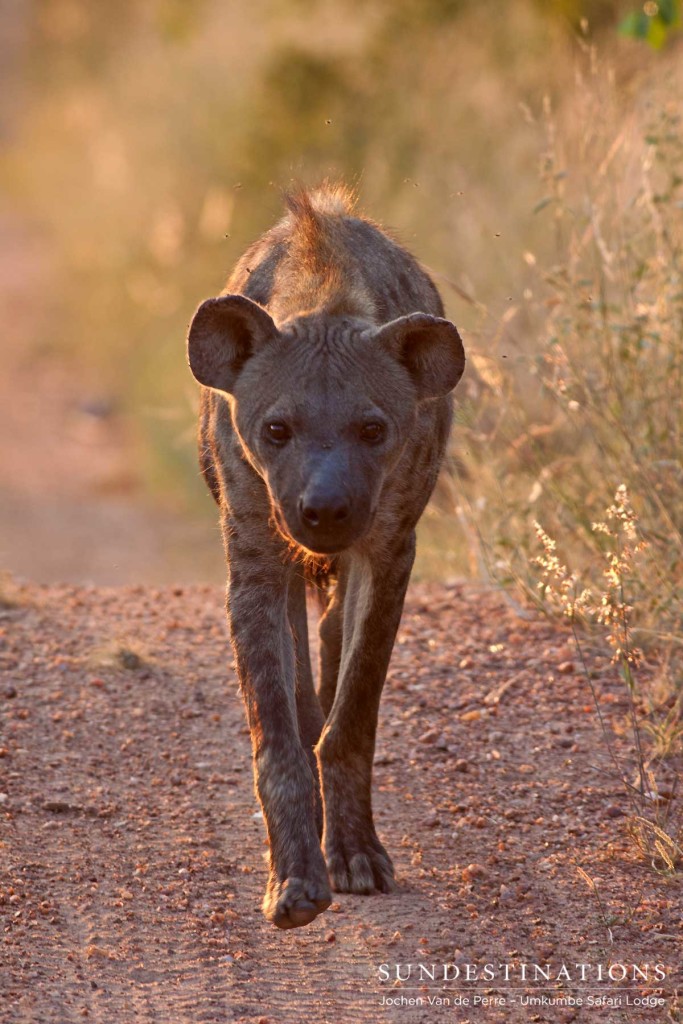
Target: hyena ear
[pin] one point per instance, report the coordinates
(430, 349)
(223, 334)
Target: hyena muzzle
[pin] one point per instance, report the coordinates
(326, 369)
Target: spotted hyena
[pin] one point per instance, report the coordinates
(326, 369)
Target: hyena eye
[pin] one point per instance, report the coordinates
(278, 432)
(372, 432)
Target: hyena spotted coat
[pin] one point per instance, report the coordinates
(326, 369)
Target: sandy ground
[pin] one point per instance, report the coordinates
(132, 848)
(72, 506)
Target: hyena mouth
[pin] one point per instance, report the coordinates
(325, 542)
(320, 547)
(314, 540)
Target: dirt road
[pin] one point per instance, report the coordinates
(131, 846)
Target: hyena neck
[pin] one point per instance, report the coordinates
(318, 273)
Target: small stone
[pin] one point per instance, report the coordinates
(513, 813)
(474, 871)
(656, 797)
(612, 811)
(330, 937)
(565, 668)
(10, 692)
(471, 716)
(461, 765)
(59, 806)
(466, 662)
(97, 952)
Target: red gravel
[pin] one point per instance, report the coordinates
(131, 867)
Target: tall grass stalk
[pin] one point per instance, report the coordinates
(580, 387)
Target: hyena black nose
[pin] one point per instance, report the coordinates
(325, 514)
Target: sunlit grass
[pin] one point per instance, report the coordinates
(578, 392)
(656, 831)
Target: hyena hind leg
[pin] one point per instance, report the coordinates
(310, 717)
(331, 636)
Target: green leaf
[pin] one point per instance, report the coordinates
(657, 33)
(635, 25)
(669, 12)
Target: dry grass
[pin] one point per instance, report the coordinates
(649, 777)
(10, 593)
(596, 352)
(578, 397)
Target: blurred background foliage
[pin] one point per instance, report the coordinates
(526, 151)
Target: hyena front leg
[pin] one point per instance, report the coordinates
(298, 888)
(374, 594)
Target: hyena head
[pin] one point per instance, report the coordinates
(323, 405)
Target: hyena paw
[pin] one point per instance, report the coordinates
(362, 868)
(294, 902)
